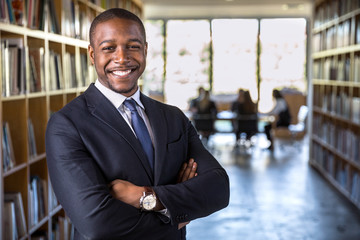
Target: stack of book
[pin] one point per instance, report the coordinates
(38, 199)
(13, 66)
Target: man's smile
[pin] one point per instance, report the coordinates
(122, 73)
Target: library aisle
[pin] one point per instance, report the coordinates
(275, 196)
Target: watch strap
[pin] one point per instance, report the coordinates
(148, 189)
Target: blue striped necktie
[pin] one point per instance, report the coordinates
(141, 131)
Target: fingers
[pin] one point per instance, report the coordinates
(181, 173)
(181, 225)
(192, 172)
(188, 171)
(114, 182)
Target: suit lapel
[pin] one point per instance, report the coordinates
(101, 108)
(158, 123)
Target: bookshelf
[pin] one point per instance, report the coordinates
(335, 138)
(43, 66)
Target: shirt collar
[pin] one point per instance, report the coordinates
(116, 98)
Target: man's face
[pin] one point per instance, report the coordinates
(119, 54)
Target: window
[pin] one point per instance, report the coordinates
(153, 77)
(225, 57)
(234, 55)
(282, 57)
(187, 60)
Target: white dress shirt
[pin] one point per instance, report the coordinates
(117, 100)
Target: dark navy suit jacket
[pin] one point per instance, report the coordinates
(89, 144)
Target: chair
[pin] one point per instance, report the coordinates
(294, 132)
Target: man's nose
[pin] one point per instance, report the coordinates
(121, 55)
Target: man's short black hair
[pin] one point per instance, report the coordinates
(115, 13)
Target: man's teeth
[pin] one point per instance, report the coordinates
(121, 73)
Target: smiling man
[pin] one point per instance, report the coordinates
(123, 165)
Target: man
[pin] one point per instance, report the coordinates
(100, 169)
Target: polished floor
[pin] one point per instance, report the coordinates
(275, 196)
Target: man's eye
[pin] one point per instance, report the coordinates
(107, 48)
(134, 47)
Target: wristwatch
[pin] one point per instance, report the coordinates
(148, 200)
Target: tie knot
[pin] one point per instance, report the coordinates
(130, 104)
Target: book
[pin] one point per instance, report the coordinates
(53, 200)
(84, 70)
(55, 71)
(42, 15)
(18, 11)
(31, 139)
(37, 76)
(10, 221)
(355, 110)
(7, 148)
(357, 69)
(83, 26)
(68, 24)
(355, 190)
(19, 211)
(3, 11)
(34, 201)
(53, 19)
(10, 11)
(58, 71)
(30, 12)
(357, 34)
(70, 70)
(347, 33)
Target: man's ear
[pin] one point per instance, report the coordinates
(146, 48)
(91, 54)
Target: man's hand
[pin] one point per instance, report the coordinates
(187, 171)
(129, 193)
(126, 191)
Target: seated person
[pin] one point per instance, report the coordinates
(204, 114)
(193, 102)
(281, 113)
(246, 113)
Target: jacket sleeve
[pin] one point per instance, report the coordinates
(202, 195)
(83, 192)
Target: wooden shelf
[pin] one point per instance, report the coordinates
(335, 133)
(336, 21)
(334, 183)
(336, 51)
(27, 106)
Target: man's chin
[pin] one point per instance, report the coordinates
(126, 91)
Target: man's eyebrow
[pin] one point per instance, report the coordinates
(106, 41)
(135, 40)
(113, 40)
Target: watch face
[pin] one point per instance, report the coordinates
(149, 202)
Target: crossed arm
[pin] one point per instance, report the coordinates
(129, 193)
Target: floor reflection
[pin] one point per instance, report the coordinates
(275, 196)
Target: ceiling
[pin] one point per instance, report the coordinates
(221, 2)
(226, 8)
